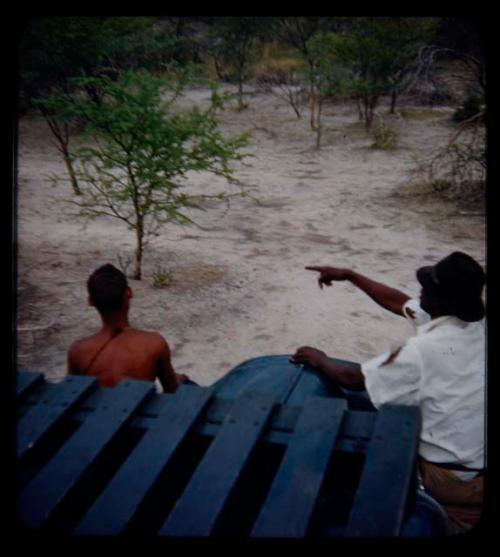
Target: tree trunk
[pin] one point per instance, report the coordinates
(394, 96)
(240, 93)
(61, 136)
(366, 113)
(360, 110)
(369, 118)
(294, 106)
(370, 104)
(319, 128)
(138, 251)
(218, 68)
(312, 101)
(71, 172)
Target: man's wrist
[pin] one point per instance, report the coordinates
(349, 275)
(323, 363)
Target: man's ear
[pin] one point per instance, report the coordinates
(129, 293)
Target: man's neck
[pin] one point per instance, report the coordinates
(113, 321)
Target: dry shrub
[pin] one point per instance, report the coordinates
(421, 114)
(284, 84)
(385, 135)
(457, 170)
(274, 56)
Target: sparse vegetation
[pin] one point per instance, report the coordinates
(384, 134)
(235, 267)
(458, 169)
(419, 114)
(285, 85)
(161, 277)
(134, 168)
(232, 42)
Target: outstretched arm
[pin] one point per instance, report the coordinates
(165, 372)
(347, 376)
(385, 296)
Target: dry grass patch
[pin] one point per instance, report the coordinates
(195, 277)
(423, 114)
(355, 131)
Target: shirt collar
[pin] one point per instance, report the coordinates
(435, 323)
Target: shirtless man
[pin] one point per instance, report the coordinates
(118, 350)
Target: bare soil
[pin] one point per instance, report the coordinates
(238, 286)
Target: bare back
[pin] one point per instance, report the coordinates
(131, 354)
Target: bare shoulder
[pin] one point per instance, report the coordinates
(78, 352)
(81, 344)
(152, 338)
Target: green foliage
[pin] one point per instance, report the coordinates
(232, 42)
(472, 106)
(326, 73)
(55, 49)
(136, 167)
(56, 103)
(297, 32)
(377, 50)
(161, 278)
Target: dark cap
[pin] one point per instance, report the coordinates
(457, 281)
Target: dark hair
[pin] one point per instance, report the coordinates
(106, 286)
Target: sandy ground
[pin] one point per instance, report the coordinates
(239, 289)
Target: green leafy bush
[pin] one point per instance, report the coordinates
(161, 278)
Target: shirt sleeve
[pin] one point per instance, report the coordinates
(414, 313)
(394, 377)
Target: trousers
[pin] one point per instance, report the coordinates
(462, 500)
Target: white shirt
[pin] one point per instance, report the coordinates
(442, 370)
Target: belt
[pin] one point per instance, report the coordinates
(458, 467)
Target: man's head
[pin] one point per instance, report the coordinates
(108, 289)
(453, 287)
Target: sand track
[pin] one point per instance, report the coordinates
(239, 289)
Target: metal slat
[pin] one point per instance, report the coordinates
(58, 402)
(26, 381)
(379, 504)
(55, 480)
(293, 494)
(196, 512)
(116, 506)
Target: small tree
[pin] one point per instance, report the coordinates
(298, 32)
(285, 84)
(326, 76)
(53, 108)
(136, 168)
(407, 36)
(377, 49)
(55, 50)
(459, 168)
(232, 41)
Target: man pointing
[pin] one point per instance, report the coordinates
(441, 369)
